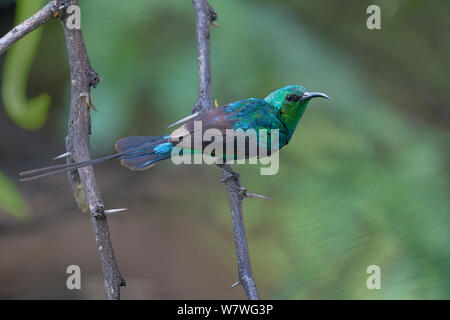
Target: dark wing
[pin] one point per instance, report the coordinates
(219, 118)
(243, 114)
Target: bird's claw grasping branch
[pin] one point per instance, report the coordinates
(229, 174)
(205, 16)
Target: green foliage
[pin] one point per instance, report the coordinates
(10, 199)
(28, 114)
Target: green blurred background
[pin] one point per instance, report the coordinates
(365, 180)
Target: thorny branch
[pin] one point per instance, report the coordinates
(83, 181)
(205, 16)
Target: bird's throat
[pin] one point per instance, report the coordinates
(291, 116)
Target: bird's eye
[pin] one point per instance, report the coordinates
(292, 97)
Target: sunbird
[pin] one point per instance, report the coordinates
(282, 110)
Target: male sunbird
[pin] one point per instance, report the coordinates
(282, 110)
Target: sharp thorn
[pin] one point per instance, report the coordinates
(215, 24)
(110, 211)
(234, 284)
(65, 154)
(254, 195)
(184, 120)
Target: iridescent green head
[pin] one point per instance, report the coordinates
(291, 101)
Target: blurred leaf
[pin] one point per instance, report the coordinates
(29, 114)
(11, 200)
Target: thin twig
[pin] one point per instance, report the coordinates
(205, 16)
(49, 11)
(77, 143)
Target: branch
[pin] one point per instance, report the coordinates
(77, 143)
(205, 16)
(236, 193)
(82, 181)
(49, 11)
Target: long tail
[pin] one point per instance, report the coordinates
(136, 153)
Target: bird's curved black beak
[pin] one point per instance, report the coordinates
(309, 95)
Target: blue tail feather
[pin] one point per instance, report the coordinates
(140, 152)
(137, 153)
